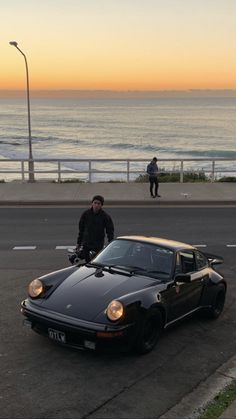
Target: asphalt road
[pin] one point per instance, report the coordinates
(42, 380)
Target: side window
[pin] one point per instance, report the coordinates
(201, 260)
(186, 260)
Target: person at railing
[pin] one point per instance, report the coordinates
(94, 224)
(152, 171)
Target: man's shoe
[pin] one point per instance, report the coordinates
(152, 196)
(157, 196)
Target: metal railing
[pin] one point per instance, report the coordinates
(92, 170)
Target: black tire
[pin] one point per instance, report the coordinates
(150, 331)
(218, 303)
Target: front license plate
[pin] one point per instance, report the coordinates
(89, 344)
(57, 335)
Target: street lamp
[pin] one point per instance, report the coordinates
(31, 161)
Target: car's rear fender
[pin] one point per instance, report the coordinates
(210, 290)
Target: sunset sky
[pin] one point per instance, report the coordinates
(119, 44)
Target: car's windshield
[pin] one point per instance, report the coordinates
(139, 256)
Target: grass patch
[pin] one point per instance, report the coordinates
(220, 402)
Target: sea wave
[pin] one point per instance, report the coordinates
(211, 154)
(201, 128)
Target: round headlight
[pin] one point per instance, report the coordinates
(115, 310)
(35, 288)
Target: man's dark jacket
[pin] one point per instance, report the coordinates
(92, 229)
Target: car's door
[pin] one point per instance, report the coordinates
(184, 297)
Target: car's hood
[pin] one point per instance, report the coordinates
(85, 293)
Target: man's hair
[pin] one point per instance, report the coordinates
(98, 198)
(154, 159)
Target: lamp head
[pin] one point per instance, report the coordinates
(14, 43)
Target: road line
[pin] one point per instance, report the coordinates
(24, 248)
(199, 245)
(65, 247)
(73, 247)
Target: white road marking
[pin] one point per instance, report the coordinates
(72, 247)
(199, 245)
(24, 248)
(65, 247)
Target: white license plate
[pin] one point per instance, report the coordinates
(89, 344)
(57, 335)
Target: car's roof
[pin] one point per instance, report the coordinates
(171, 244)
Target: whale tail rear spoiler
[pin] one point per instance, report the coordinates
(214, 259)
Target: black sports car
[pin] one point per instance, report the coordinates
(124, 298)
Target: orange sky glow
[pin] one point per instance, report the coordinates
(125, 45)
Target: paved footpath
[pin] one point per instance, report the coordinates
(194, 403)
(49, 193)
(125, 194)
(230, 413)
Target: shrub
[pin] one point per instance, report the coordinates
(175, 177)
(227, 179)
(69, 181)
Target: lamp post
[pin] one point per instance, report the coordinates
(31, 161)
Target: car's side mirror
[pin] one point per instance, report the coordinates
(182, 278)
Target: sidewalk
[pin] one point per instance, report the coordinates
(230, 413)
(46, 193)
(193, 404)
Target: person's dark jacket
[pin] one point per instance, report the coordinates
(152, 169)
(93, 227)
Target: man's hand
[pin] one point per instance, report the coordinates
(78, 248)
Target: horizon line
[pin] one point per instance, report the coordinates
(109, 92)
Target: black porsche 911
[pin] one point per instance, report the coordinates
(126, 296)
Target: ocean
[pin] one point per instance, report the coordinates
(200, 127)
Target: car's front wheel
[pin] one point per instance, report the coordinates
(218, 303)
(150, 331)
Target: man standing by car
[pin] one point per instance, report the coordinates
(93, 225)
(152, 170)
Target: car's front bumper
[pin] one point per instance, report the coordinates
(78, 333)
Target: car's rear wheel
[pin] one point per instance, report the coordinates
(150, 331)
(218, 303)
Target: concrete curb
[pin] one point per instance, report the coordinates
(112, 202)
(194, 403)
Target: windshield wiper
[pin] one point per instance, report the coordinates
(120, 269)
(136, 269)
(143, 271)
(132, 270)
(110, 268)
(94, 265)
